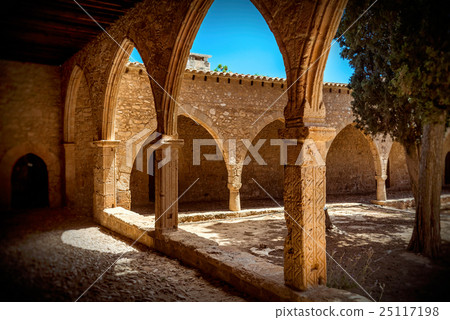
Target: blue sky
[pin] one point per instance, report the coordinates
(236, 35)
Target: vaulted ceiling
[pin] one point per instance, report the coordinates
(51, 31)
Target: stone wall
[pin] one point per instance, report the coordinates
(84, 136)
(135, 120)
(212, 175)
(31, 121)
(229, 106)
(269, 176)
(337, 100)
(398, 170)
(350, 165)
(139, 187)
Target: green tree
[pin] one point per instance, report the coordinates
(400, 54)
(222, 68)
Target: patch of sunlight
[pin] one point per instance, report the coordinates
(94, 239)
(123, 267)
(265, 251)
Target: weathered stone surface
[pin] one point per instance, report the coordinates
(30, 115)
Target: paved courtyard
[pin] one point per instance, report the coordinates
(367, 241)
(55, 255)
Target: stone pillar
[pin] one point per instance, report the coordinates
(381, 187)
(304, 201)
(69, 176)
(104, 176)
(234, 185)
(235, 199)
(166, 184)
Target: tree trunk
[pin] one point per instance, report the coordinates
(426, 238)
(412, 161)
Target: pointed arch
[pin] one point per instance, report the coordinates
(352, 163)
(260, 125)
(51, 160)
(71, 102)
(177, 65)
(112, 87)
(304, 48)
(379, 168)
(208, 125)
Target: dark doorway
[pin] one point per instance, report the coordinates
(447, 168)
(29, 183)
(151, 187)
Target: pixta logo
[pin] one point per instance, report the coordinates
(142, 151)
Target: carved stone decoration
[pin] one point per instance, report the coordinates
(304, 201)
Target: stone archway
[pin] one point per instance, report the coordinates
(213, 175)
(303, 31)
(135, 121)
(53, 167)
(29, 183)
(350, 164)
(447, 169)
(270, 175)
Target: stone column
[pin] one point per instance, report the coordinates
(304, 201)
(235, 199)
(381, 187)
(70, 186)
(234, 185)
(166, 184)
(104, 176)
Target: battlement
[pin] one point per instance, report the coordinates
(194, 74)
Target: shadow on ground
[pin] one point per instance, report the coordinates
(368, 242)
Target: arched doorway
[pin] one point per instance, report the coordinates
(447, 169)
(29, 183)
(350, 164)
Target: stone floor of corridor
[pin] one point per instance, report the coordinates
(55, 255)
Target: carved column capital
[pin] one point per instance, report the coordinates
(106, 143)
(234, 186)
(69, 146)
(170, 141)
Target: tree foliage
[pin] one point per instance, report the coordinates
(400, 52)
(222, 68)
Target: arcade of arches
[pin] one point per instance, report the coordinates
(90, 126)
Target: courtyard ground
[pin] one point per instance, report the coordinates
(368, 241)
(55, 255)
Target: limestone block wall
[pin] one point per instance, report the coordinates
(139, 188)
(398, 170)
(230, 106)
(350, 165)
(135, 120)
(84, 135)
(212, 183)
(337, 100)
(270, 176)
(30, 122)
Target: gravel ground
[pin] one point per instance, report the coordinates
(55, 255)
